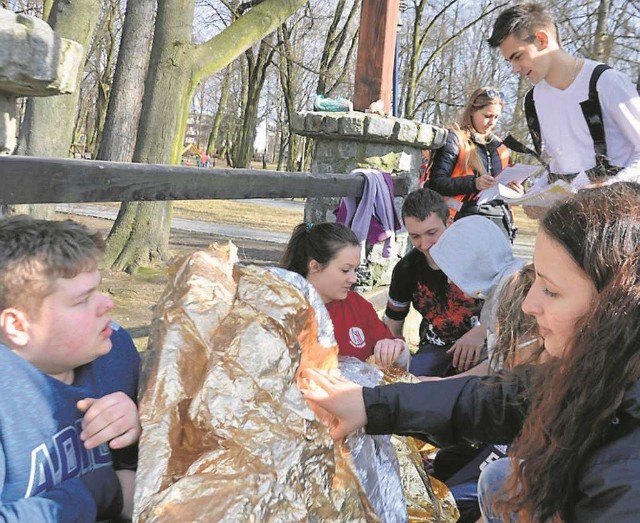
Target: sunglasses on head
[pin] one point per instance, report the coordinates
(493, 93)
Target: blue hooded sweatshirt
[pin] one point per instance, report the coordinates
(46, 474)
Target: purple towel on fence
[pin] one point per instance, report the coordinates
(372, 216)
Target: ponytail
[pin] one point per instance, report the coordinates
(320, 242)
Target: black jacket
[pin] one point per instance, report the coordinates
(445, 159)
(492, 409)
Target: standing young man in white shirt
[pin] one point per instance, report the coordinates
(528, 39)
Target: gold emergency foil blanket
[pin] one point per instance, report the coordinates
(227, 435)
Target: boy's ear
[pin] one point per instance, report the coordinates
(543, 39)
(15, 327)
(449, 221)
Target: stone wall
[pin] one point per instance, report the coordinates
(347, 141)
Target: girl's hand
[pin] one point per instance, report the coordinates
(339, 397)
(387, 351)
(485, 182)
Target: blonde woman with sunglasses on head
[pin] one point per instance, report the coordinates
(471, 158)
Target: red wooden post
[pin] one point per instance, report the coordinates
(376, 53)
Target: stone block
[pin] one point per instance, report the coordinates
(405, 131)
(378, 127)
(313, 122)
(387, 162)
(438, 137)
(321, 165)
(345, 149)
(379, 266)
(351, 124)
(325, 158)
(334, 151)
(430, 136)
(404, 162)
(378, 148)
(297, 121)
(330, 125)
(34, 60)
(317, 210)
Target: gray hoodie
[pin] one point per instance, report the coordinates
(475, 254)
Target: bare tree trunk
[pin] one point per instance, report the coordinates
(282, 147)
(257, 69)
(47, 129)
(123, 114)
(305, 157)
(222, 105)
(417, 43)
(125, 102)
(600, 38)
(333, 44)
(176, 67)
(105, 80)
(289, 84)
(167, 85)
(199, 112)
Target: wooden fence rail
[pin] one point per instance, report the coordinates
(26, 179)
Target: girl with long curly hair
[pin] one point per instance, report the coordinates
(572, 422)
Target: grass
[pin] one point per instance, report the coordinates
(135, 295)
(233, 212)
(526, 226)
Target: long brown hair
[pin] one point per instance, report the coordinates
(575, 404)
(465, 131)
(517, 339)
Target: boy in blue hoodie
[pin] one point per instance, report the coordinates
(68, 420)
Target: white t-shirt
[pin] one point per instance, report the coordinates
(565, 133)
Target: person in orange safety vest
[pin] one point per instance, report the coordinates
(471, 158)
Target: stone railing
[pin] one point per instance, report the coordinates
(34, 61)
(346, 141)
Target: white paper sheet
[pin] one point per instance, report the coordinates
(545, 197)
(514, 173)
